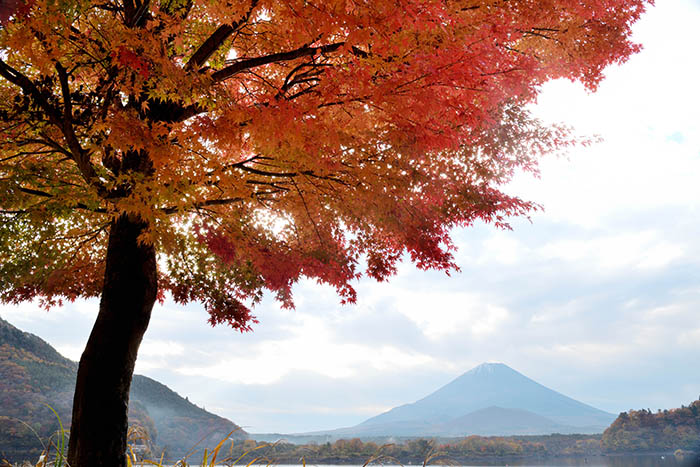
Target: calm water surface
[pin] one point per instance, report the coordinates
(617, 461)
(621, 461)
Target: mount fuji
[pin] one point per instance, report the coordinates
(490, 399)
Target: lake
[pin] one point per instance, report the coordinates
(612, 461)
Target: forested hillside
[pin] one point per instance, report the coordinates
(643, 430)
(455, 451)
(34, 376)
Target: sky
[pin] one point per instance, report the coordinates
(597, 296)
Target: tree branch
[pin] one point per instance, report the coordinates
(63, 121)
(266, 173)
(210, 202)
(217, 38)
(249, 63)
(65, 90)
(43, 194)
(179, 114)
(30, 89)
(31, 191)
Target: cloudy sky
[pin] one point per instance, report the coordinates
(598, 297)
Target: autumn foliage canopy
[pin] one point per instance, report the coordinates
(263, 141)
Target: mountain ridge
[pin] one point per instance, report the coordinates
(34, 375)
(505, 394)
(494, 384)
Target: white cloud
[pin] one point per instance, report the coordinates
(502, 247)
(310, 347)
(21, 313)
(72, 352)
(562, 312)
(155, 353)
(629, 173)
(586, 353)
(646, 113)
(444, 313)
(640, 250)
(690, 338)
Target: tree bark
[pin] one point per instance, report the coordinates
(100, 405)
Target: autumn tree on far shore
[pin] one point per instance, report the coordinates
(662, 431)
(213, 150)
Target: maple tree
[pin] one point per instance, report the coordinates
(212, 150)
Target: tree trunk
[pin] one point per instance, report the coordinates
(101, 401)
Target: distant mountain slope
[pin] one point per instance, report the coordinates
(495, 385)
(33, 374)
(490, 399)
(179, 423)
(492, 420)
